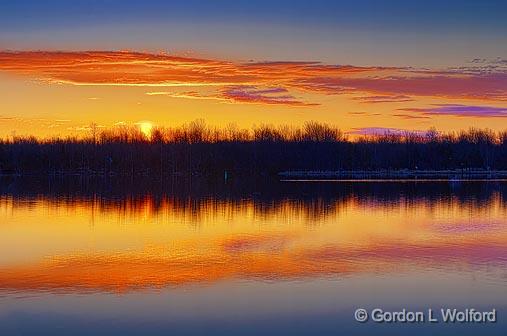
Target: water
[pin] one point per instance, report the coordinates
(248, 258)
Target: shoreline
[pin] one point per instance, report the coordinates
(451, 175)
(396, 175)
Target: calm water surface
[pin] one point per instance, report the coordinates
(292, 258)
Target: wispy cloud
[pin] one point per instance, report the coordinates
(260, 82)
(384, 99)
(271, 96)
(452, 86)
(410, 116)
(460, 110)
(241, 94)
(186, 95)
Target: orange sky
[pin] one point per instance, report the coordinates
(46, 93)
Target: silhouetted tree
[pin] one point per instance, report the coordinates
(264, 149)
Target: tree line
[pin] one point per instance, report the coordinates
(197, 148)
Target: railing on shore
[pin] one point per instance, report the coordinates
(450, 174)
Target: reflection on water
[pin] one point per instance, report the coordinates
(142, 240)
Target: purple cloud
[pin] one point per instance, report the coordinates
(460, 110)
(270, 96)
(456, 85)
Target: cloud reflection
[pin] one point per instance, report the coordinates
(194, 242)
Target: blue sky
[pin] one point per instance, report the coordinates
(26, 15)
(364, 31)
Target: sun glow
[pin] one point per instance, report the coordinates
(146, 128)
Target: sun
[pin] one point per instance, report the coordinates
(146, 128)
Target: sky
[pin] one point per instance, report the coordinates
(365, 66)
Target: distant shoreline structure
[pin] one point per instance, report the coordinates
(401, 174)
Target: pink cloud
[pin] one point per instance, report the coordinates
(456, 85)
(461, 110)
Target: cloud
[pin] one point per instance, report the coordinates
(186, 95)
(453, 86)
(270, 96)
(410, 116)
(145, 69)
(384, 99)
(483, 65)
(460, 110)
(241, 94)
(271, 83)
